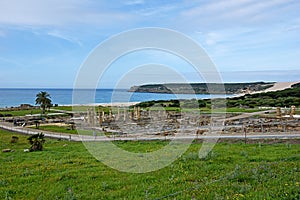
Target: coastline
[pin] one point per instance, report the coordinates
(112, 104)
(12, 98)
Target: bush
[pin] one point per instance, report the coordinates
(36, 142)
(14, 139)
(201, 103)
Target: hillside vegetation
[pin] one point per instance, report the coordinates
(283, 98)
(202, 88)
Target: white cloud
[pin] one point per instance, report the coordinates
(212, 38)
(134, 2)
(253, 9)
(233, 13)
(154, 11)
(59, 35)
(55, 12)
(292, 28)
(244, 33)
(214, 7)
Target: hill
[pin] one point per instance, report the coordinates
(203, 88)
(281, 98)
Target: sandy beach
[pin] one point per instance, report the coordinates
(112, 104)
(280, 86)
(276, 87)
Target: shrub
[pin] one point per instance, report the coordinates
(14, 139)
(36, 142)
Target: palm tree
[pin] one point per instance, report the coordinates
(36, 142)
(44, 100)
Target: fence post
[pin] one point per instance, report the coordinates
(245, 131)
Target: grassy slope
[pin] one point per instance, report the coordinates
(233, 171)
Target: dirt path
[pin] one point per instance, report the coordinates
(86, 138)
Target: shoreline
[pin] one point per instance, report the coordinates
(276, 87)
(112, 104)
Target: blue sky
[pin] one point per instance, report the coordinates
(44, 43)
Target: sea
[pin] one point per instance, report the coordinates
(15, 97)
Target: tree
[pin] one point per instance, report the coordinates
(44, 100)
(36, 142)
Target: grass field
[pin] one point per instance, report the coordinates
(59, 129)
(22, 112)
(67, 130)
(67, 108)
(65, 170)
(235, 109)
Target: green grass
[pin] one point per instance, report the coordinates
(22, 112)
(177, 109)
(67, 130)
(245, 110)
(67, 108)
(25, 112)
(85, 108)
(59, 129)
(65, 170)
(208, 110)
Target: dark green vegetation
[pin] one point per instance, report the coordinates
(44, 100)
(36, 141)
(287, 97)
(65, 170)
(246, 103)
(201, 88)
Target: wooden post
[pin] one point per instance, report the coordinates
(245, 132)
